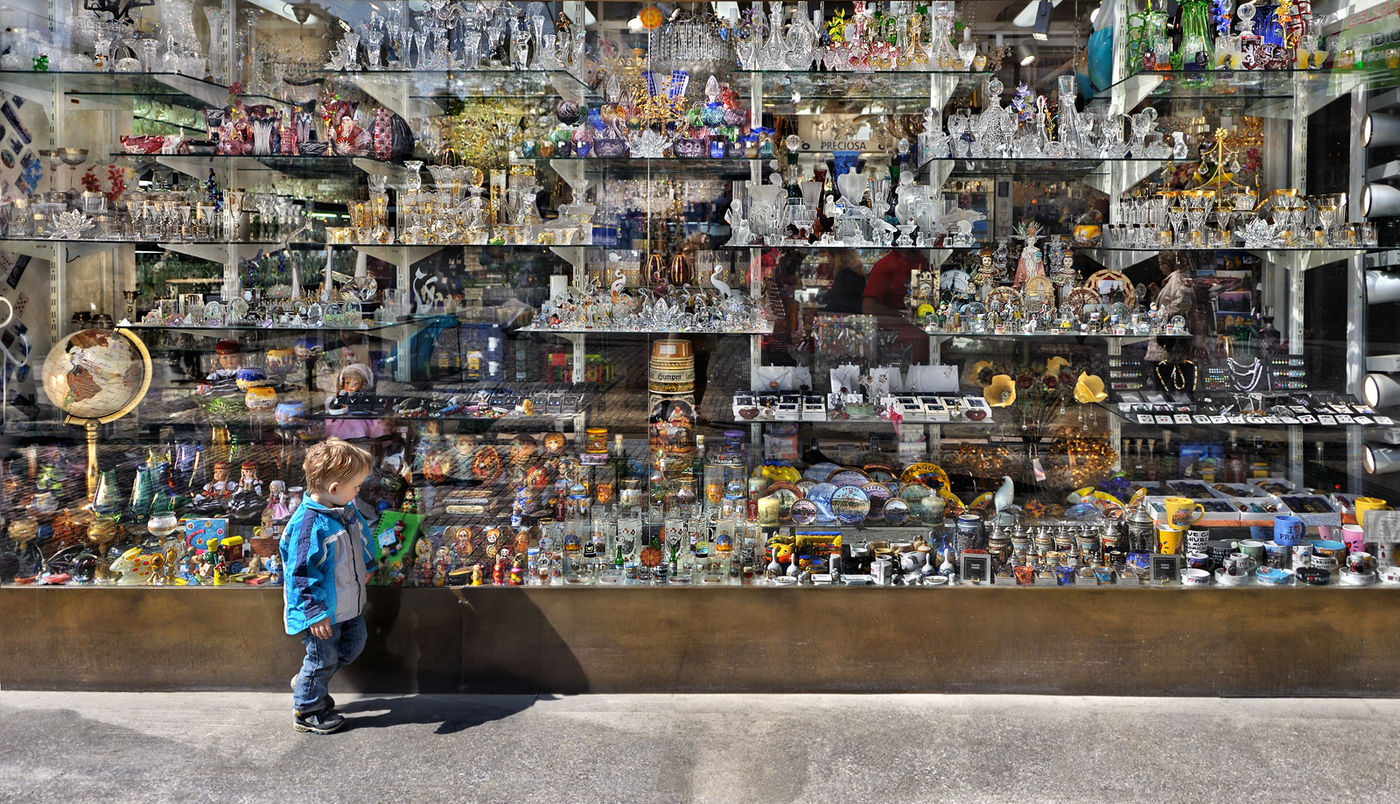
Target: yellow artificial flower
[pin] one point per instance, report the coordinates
(977, 368)
(1054, 364)
(1001, 393)
(1088, 389)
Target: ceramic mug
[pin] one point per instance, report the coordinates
(1288, 529)
(1361, 562)
(1252, 548)
(1025, 575)
(1363, 504)
(1196, 539)
(1277, 555)
(1064, 576)
(1197, 560)
(1169, 540)
(1238, 564)
(1182, 511)
(1329, 548)
(1354, 537)
(1302, 555)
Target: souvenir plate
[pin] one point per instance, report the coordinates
(896, 511)
(878, 493)
(930, 474)
(879, 472)
(804, 512)
(820, 495)
(850, 504)
(780, 472)
(848, 477)
(820, 471)
(803, 486)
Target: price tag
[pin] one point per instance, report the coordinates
(1218, 419)
(1308, 419)
(1344, 419)
(1165, 420)
(1200, 418)
(1288, 420)
(1327, 420)
(1272, 420)
(1182, 418)
(1363, 420)
(1145, 418)
(1235, 419)
(1385, 420)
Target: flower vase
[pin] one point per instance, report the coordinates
(217, 20)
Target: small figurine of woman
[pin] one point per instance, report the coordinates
(355, 378)
(248, 478)
(277, 502)
(1031, 263)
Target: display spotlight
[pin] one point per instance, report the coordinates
(1380, 459)
(1382, 287)
(1380, 201)
(1024, 55)
(1041, 31)
(1380, 390)
(1380, 130)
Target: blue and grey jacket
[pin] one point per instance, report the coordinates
(327, 560)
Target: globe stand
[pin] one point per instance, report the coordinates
(59, 396)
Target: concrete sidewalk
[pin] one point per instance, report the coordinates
(226, 746)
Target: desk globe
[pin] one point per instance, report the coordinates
(97, 376)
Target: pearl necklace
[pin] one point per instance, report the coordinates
(1245, 377)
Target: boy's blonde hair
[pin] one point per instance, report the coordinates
(334, 461)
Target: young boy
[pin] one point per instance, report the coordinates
(327, 559)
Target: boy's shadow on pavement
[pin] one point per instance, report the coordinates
(452, 713)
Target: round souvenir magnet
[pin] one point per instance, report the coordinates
(850, 504)
(896, 511)
(804, 512)
(804, 486)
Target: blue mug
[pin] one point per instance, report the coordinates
(1288, 530)
(1064, 576)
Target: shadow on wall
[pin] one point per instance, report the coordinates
(458, 641)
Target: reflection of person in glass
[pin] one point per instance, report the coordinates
(847, 282)
(886, 289)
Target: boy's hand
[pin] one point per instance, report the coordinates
(322, 630)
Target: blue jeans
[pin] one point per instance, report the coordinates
(323, 658)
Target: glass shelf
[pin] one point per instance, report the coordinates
(780, 86)
(609, 331)
(236, 328)
(867, 247)
(510, 418)
(1250, 84)
(174, 88)
(292, 165)
(1046, 168)
(444, 86)
(1048, 334)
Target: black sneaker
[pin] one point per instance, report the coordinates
(330, 702)
(322, 721)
